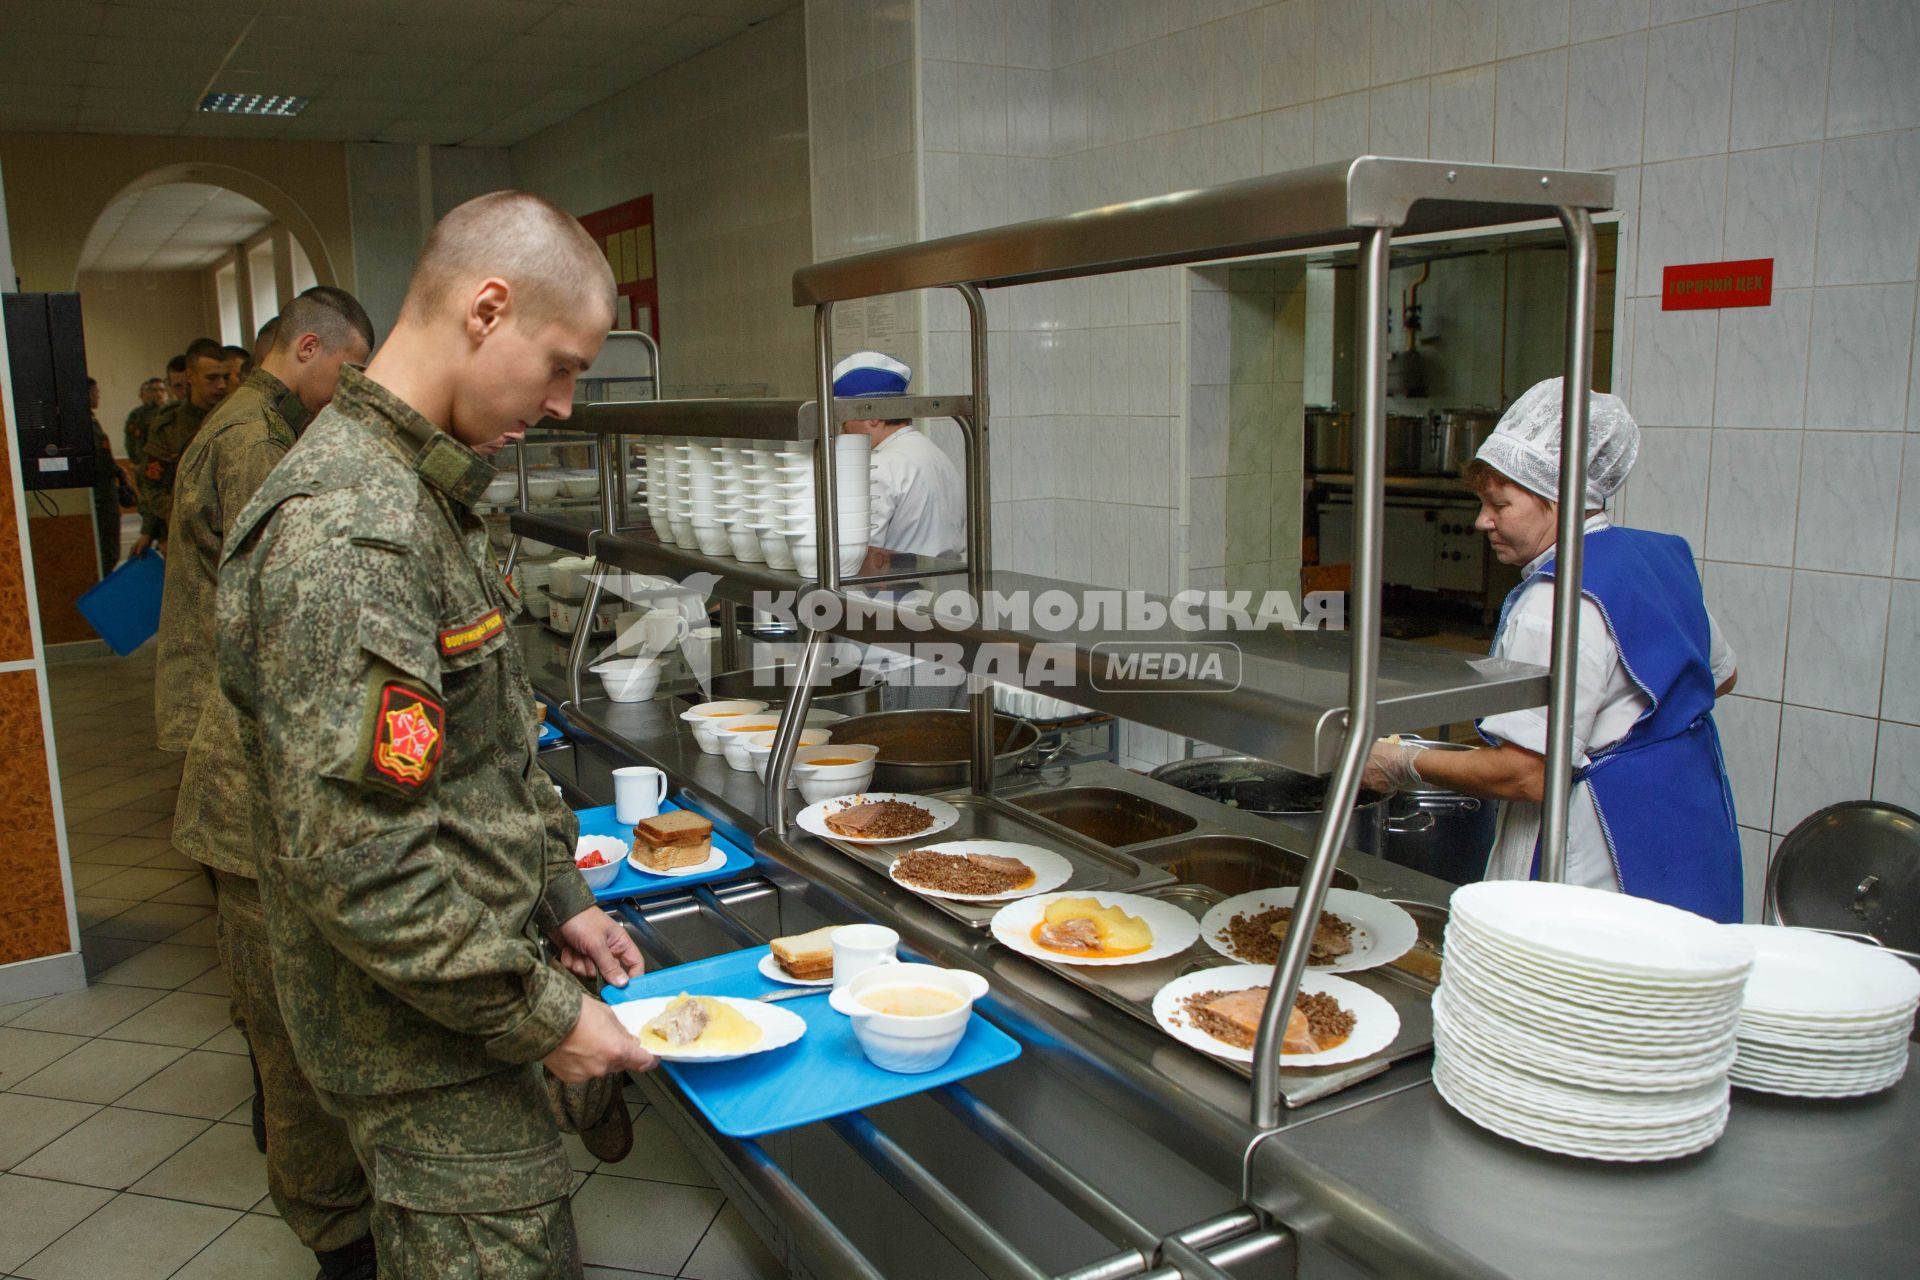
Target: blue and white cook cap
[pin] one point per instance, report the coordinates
(869, 373)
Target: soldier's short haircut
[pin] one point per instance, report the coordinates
(177, 365)
(232, 352)
(263, 340)
(332, 315)
(543, 253)
(202, 349)
(153, 382)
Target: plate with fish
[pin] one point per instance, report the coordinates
(1356, 930)
(877, 817)
(980, 870)
(690, 1028)
(1094, 928)
(1218, 1011)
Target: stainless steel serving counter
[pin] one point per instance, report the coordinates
(1381, 1178)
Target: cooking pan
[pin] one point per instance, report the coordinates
(1269, 791)
(923, 750)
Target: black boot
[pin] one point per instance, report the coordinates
(349, 1262)
(259, 1106)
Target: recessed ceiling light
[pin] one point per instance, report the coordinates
(254, 104)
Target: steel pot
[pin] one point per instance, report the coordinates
(1453, 437)
(1269, 791)
(1406, 442)
(929, 750)
(1329, 441)
(1441, 833)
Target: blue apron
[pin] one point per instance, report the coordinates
(1661, 792)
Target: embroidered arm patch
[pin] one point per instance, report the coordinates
(409, 728)
(471, 635)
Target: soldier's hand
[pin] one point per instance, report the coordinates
(140, 544)
(593, 945)
(598, 1045)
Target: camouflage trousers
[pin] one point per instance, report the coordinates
(470, 1181)
(312, 1172)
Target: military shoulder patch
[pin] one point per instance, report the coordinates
(471, 635)
(409, 728)
(156, 470)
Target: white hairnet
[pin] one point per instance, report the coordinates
(1525, 446)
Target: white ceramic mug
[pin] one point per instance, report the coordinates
(637, 792)
(860, 947)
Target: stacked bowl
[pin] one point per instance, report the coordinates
(1824, 1017)
(1585, 1022)
(853, 483)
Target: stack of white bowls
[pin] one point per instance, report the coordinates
(1824, 1017)
(761, 479)
(531, 578)
(657, 499)
(1585, 1022)
(853, 485)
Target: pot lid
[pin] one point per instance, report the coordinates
(1854, 868)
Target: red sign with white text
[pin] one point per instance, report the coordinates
(1704, 286)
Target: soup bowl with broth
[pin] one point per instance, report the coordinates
(909, 1018)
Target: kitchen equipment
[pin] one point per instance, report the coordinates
(1452, 437)
(1852, 867)
(923, 750)
(1329, 441)
(1257, 787)
(1406, 442)
(1439, 832)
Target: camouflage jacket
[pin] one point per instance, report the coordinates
(411, 850)
(240, 441)
(172, 431)
(139, 422)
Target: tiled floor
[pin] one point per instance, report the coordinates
(125, 1152)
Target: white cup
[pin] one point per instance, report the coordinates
(637, 792)
(860, 947)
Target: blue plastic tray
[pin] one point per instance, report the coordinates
(124, 607)
(550, 734)
(638, 884)
(819, 1076)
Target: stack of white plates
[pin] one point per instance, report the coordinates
(1588, 1023)
(1824, 1017)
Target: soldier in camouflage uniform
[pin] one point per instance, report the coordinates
(153, 394)
(312, 1172)
(173, 430)
(413, 851)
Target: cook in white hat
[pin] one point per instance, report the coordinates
(1652, 813)
(917, 498)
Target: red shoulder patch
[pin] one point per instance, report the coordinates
(155, 471)
(408, 735)
(471, 635)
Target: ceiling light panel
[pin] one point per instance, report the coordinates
(254, 104)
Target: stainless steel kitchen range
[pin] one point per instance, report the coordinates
(946, 991)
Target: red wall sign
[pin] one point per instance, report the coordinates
(1704, 286)
(625, 235)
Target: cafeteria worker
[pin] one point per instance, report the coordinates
(1652, 812)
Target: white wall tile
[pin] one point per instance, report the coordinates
(1753, 496)
(1207, 528)
(1528, 26)
(1463, 33)
(980, 31)
(1749, 741)
(1593, 19)
(1236, 149)
(1111, 381)
(1286, 139)
(1402, 42)
(1029, 111)
(1235, 66)
(1900, 699)
(1876, 46)
(1150, 368)
(1754, 858)
(1682, 211)
(1341, 47)
(1030, 34)
(1835, 641)
(1780, 73)
(982, 98)
(1857, 371)
(1669, 482)
(1671, 351)
(1207, 430)
(1750, 604)
(1339, 128)
(1287, 54)
(1209, 339)
(1530, 122)
(1689, 87)
(1461, 114)
(1907, 556)
(1606, 94)
(1773, 206)
(1397, 120)
(1896, 770)
(1849, 498)
(1870, 191)
(1824, 758)
(1761, 379)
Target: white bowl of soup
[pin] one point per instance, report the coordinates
(909, 1018)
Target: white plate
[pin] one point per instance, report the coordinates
(813, 818)
(1803, 972)
(779, 1027)
(770, 970)
(1382, 930)
(715, 860)
(1173, 929)
(1375, 1024)
(1050, 870)
(1595, 931)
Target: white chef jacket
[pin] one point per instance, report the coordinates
(918, 503)
(1606, 706)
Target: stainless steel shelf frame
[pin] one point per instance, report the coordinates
(1365, 201)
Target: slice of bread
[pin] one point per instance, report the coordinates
(669, 857)
(676, 826)
(805, 955)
